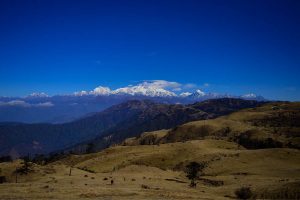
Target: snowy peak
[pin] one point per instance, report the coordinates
(98, 91)
(101, 91)
(251, 95)
(162, 88)
(197, 94)
(157, 88)
(150, 89)
(38, 94)
(185, 94)
(142, 90)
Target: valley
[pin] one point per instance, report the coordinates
(242, 153)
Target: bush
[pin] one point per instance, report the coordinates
(248, 140)
(243, 193)
(2, 179)
(145, 186)
(193, 170)
(5, 159)
(25, 168)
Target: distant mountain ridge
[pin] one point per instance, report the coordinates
(109, 126)
(165, 119)
(42, 108)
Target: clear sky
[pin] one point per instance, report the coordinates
(64, 46)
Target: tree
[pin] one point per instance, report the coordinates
(193, 170)
(5, 159)
(39, 159)
(25, 168)
(243, 193)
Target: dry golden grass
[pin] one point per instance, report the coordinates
(156, 171)
(267, 172)
(278, 121)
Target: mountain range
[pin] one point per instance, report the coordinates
(110, 126)
(42, 108)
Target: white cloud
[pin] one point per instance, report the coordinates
(176, 89)
(206, 84)
(45, 104)
(101, 91)
(161, 84)
(21, 103)
(15, 103)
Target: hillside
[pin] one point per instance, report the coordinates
(156, 172)
(271, 125)
(42, 108)
(160, 116)
(108, 127)
(255, 148)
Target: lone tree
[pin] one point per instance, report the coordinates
(193, 170)
(243, 193)
(25, 168)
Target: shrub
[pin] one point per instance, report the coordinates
(25, 168)
(2, 179)
(145, 186)
(5, 159)
(243, 193)
(193, 170)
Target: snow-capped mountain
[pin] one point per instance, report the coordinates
(40, 107)
(160, 88)
(252, 96)
(98, 91)
(197, 94)
(142, 90)
(38, 95)
(185, 94)
(148, 89)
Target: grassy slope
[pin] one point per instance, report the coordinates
(263, 170)
(282, 125)
(271, 173)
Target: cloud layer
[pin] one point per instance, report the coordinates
(22, 103)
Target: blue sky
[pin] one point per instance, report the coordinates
(65, 46)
